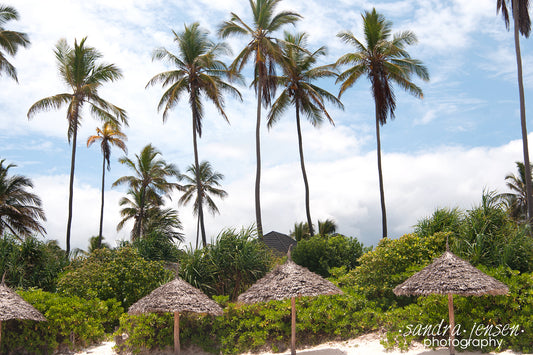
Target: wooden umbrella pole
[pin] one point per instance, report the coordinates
(452, 322)
(177, 333)
(293, 326)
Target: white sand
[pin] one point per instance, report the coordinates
(364, 345)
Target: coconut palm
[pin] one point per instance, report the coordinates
(108, 136)
(384, 61)
(327, 227)
(20, 210)
(81, 71)
(198, 72)
(300, 232)
(522, 25)
(147, 186)
(299, 71)
(209, 186)
(10, 41)
(516, 200)
(265, 52)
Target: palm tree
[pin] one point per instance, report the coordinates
(198, 72)
(522, 25)
(84, 75)
(299, 71)
(209, 183)
(147, 186)
(300, 232)
(20, 211)
(516, 200)
(384, 60)
(10, 41)
(327, 227)
(108, 136)
(265, 52)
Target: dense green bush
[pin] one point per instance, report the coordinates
(256, 327)
(121, 274)
(72, 322)
(391, 263)
(155, 246)
(229, 266)
(321, 253)
(31, 262)
(516, 308)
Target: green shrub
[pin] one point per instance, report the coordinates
(228, 266)
(121, 274)
(321, 253)
(391, 263)
(72, 322)
(31, 262)
(155, 246)
(516, 308)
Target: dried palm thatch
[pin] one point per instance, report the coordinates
(12, 306)
(288, 281)
(175, 297)
(451, 275)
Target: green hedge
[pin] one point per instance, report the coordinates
(72, 323)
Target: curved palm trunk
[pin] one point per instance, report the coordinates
(304, 174)
(141, 215)
(527, 166)
(71, 181)
(380, 173)
(258, 169)
(199, 190)
(99, 243)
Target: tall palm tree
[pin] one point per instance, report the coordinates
(10, 41)
(299, 71)
(516, 200)
(522, 25)
(198, 72)
(20, 210)
(384, 61)
(81, 71)
(108, 136)
(209, 183)
(147, 186)
(265, 52)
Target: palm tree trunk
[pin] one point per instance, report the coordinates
(258, 169)
(99, 244)
(141, 215)
(71, 181)
(380, 173)
(199, 190)
(525, 147)
(304, 174)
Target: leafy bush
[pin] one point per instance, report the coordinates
(155, 246)
(321, 253)
(391, 263)
(228, 266)
(31, 262)
(121, 274)
(72, 322)
(516, 308)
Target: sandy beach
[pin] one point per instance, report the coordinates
(364, 345)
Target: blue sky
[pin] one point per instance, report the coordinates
(463, 137)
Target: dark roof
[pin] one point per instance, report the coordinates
(278, 242)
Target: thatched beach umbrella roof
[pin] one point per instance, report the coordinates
(175, 297)
(451, 274)
(288, 281)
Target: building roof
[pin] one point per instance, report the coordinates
(278, 242)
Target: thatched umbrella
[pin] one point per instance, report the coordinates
(12, 306)
(288, 281)
(451, 275)
(175, 297)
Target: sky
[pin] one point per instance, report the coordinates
(462, 138)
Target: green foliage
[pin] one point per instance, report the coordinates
(72, 322)
(31, 262)
(245, 328)
(156, 246)
(121, 274)
(321, 253)
(516, 308)
(228, 266)
(391, 263)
